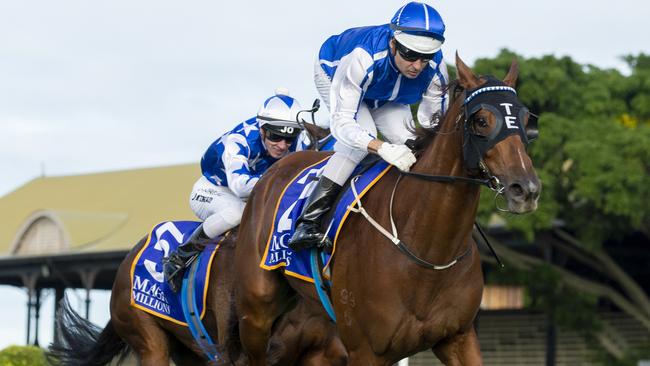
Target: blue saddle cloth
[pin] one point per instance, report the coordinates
(289, 207)
(149, 291)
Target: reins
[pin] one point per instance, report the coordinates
(448, 179)
(394, 235)
(492, 182)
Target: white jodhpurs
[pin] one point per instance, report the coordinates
(392, 120)
(218, 207)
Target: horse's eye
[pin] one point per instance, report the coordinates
(481, 122)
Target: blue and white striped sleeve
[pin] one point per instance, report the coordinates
(434, 99)
(235, 161)
(351, 79)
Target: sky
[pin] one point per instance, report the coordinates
(91, 86)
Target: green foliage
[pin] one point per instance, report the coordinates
(22, 356)
(593, 154)
(593, 158)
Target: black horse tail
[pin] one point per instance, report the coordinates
(79, 342)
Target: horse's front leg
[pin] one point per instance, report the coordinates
(261, 298)
(460, 349)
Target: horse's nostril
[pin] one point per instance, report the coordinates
(516, 189)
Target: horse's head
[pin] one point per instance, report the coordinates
(497, 128)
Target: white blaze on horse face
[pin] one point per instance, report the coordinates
(511, 121)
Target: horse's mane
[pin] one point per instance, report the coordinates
(423, 135)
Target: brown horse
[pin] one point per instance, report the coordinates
(390, 305)
(298, 339)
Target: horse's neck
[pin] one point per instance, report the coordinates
(444, 212)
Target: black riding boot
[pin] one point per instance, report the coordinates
(174, 265)
(308, 233)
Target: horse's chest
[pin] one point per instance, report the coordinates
(447, 313)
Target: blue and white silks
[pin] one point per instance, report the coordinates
(362, 68)
(381, 81)
(238, 159)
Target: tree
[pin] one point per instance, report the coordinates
(593, 157)
(22, 356)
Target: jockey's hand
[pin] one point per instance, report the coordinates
(399, 155)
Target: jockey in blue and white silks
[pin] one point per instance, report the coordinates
(368, 77)
(238, 159)
(231, 166)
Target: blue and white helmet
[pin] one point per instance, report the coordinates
(419, 27)
(278, 114)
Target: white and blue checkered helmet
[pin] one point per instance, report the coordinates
(418, 27)
(278, 114)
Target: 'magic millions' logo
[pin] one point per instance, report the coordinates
(150, 294)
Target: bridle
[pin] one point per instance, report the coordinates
(475, 146)
(479, 148)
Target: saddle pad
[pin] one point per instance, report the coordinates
(149, 291)
(289, 207)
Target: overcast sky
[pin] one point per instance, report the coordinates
(89, 86)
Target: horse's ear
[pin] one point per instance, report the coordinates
(466, 77)
(513, 73)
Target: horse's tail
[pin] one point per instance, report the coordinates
(79, 342)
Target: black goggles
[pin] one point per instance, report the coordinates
(274, 137)
(411, 56)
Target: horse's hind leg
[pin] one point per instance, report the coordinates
(137, 328)
(461, 349)
(143, 334)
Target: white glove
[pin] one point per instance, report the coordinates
(398, 155)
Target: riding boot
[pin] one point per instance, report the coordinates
(308, 233)
(174, 265)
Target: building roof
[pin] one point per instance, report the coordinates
(95, 212)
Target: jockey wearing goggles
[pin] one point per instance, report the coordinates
(231, 166)
(374, 73)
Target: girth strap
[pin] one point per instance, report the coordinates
(192, 316)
